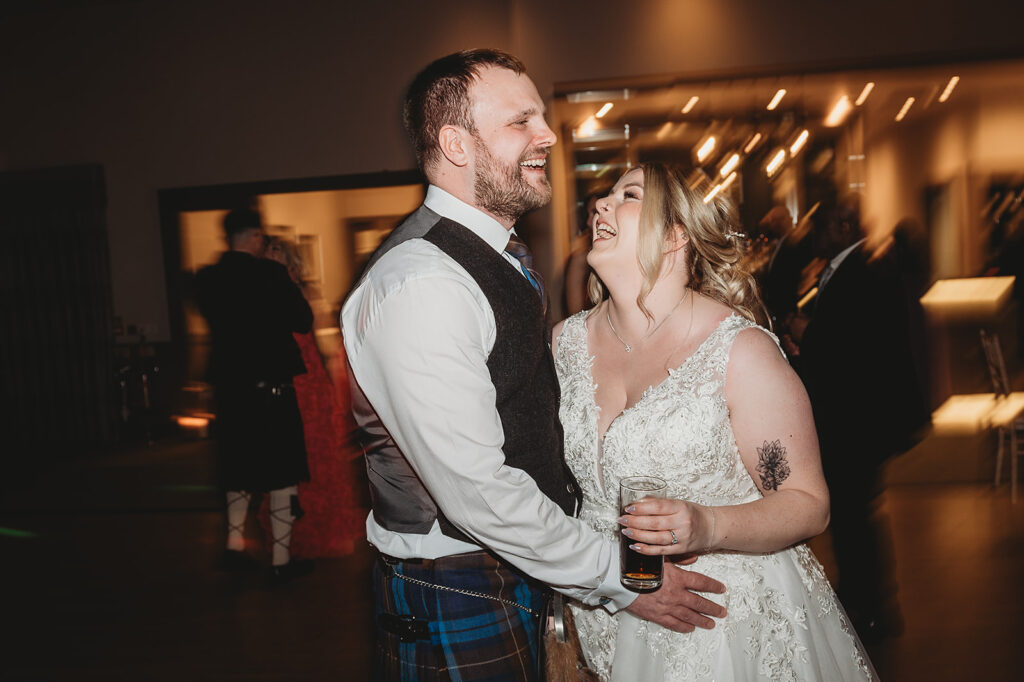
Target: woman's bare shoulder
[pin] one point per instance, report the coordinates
(756, 356)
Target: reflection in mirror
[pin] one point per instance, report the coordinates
(940, 146)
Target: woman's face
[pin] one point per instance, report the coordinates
(617, 225)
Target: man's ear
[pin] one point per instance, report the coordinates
(452, 141)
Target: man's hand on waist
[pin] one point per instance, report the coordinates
(675, 605)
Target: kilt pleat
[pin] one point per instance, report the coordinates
(470, 638)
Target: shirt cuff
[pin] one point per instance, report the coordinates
(610, 593)
(614, 596)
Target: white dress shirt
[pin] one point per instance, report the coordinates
(418, 331)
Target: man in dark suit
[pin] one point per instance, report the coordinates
(456, 393)
(253, 307)
(781, 277)
(856, 361)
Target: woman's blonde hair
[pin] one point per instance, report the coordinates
(292, 258)
(714, 252)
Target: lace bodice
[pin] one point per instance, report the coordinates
(680, 431)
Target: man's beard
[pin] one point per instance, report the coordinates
(501, 189)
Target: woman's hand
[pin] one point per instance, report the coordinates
(667, 526)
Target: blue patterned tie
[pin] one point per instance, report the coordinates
(517, 248)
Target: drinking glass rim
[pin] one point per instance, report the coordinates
(659, 482)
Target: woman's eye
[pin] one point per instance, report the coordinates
(631, 194)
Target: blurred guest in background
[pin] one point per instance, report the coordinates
(782, 274)
(856, 361)
(1006, 256)
(333, 498)
(286, 252)
(912, 252)
(253, 307)
(577, 272)
(908, 252)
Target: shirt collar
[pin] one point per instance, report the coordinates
(481, 224)
(841, 256)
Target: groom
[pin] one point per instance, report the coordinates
(455, 390)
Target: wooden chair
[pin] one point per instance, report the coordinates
(1008, 416)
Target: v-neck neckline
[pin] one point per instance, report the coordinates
(650, 390)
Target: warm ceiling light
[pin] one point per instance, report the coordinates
(776, 99)
(949, 88)
(691, 104)
(705, 149)
(776, 161)
(599, 95)
(664, 130)
(753, 143)
(719, 187)
(711, 195)
(906, 107)
(839, 112)
(193, 422)
(799, 143)
(868, 87)
(604, 110)
(729, 165)
(587, 128)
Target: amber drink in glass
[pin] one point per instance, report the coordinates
(639, 571)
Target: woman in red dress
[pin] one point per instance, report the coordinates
(334, 501)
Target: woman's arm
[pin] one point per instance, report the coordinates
(774, 428)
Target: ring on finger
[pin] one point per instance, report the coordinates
(675, 540)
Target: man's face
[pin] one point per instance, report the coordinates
(511, 145)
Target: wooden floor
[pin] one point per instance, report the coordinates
(109, 572)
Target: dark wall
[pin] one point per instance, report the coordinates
(207, 92)
(57, 392)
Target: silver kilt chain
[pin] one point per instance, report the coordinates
(468, 593)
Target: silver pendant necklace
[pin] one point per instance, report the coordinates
(625, 345)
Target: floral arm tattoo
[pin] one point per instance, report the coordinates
(772, 464)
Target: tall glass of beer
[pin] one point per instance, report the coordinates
(639, 571)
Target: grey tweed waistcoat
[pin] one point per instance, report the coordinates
(521, 369)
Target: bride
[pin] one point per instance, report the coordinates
(669, 375)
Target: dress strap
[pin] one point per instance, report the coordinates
(572, 342)
(730, 329)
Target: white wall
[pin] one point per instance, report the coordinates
(961, 147)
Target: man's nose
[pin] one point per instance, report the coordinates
(545, 137)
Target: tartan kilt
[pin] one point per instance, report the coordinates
(470, 638)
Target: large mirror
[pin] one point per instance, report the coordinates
(942, 145)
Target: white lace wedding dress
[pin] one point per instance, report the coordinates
(784, 621)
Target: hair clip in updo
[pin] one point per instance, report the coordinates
(731, 236)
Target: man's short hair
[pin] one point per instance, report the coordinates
(439, 96)
(240, 220)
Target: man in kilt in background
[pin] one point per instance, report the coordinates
(455, 390)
